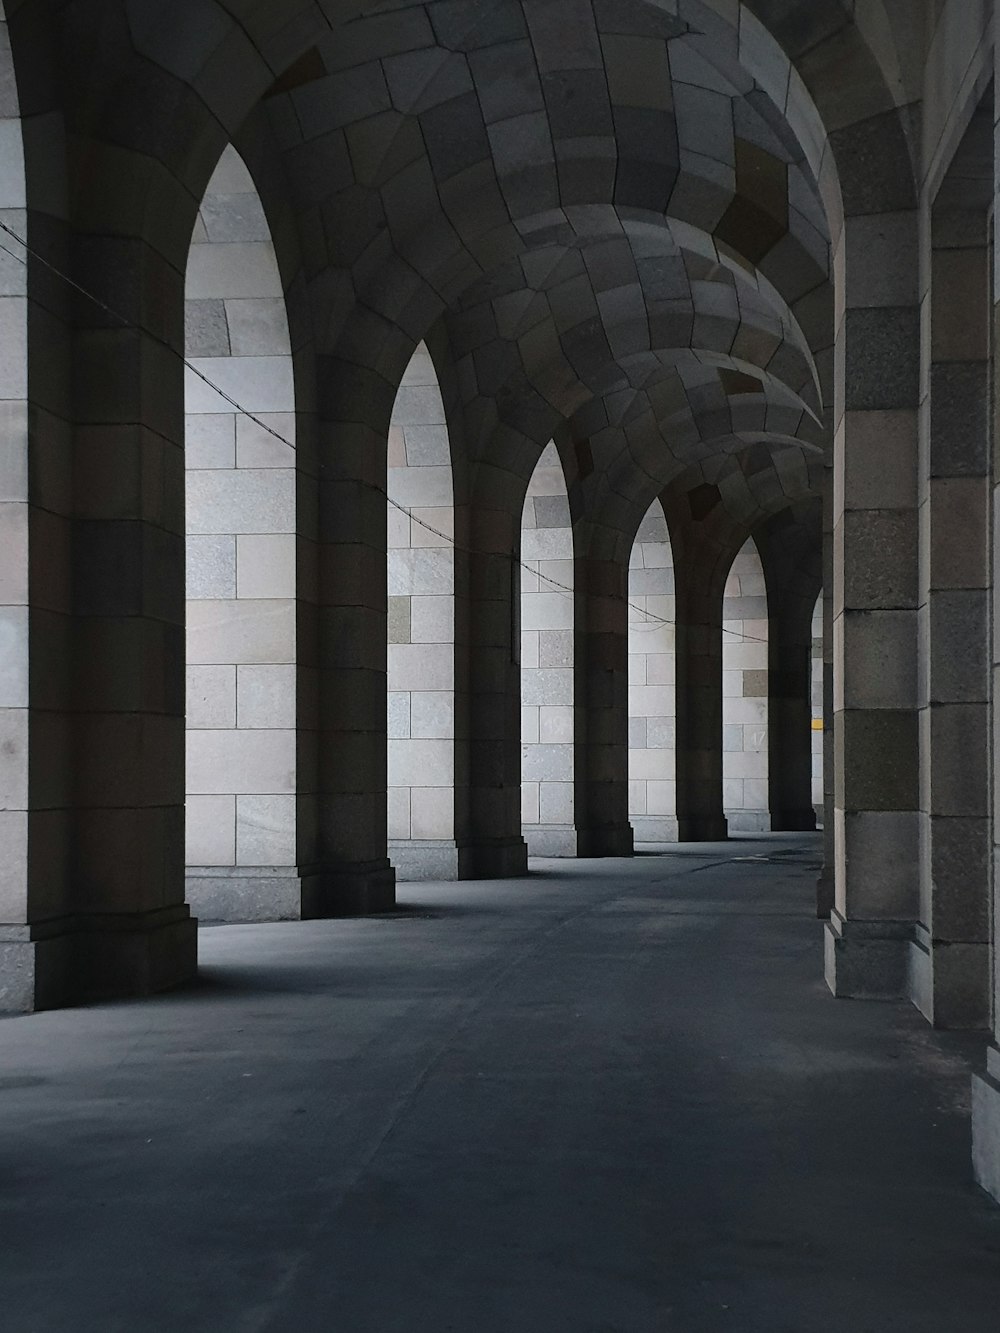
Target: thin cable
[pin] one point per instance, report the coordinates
(650, 618)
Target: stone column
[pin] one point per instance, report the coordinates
(875, 600)
(352, 874)
(791, 553)
(488, 693)
(36, 625)
(602, 819)
(986, 1088)
(698, 657)
(950, 955)
(132, 930)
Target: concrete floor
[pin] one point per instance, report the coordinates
(615, 1097)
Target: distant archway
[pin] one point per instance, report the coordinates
(240, 835)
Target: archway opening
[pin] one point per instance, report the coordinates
(240, 831)
(547, 687)
(744, 695)
(652, 711)
(421, 630)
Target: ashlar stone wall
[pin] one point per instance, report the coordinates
(744, 694)
(652, 722)
(421, 653)
(547, 807)
(241, 564)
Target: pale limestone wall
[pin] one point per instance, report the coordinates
(817, 709)
(652, 722)
(547, 806)
(421, 652)
(744, 694)
(240, 492)
(18, 513)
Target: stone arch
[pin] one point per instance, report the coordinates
(421, 630)
(652, 705)
(547, 662)
(240, 482)
(745, 694)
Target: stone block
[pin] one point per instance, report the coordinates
(959, 553)
(432, 717)
(265, 566)
(240, 762)
(432, 812)
(210, 830)
(555, 803)
(880, 553)
(883, 359)
(265, 830)
(257, 383)
(210, 441)
(258, 327)
(257, 447)
(547, 687)
(879, 659)
(399, 619)
(206, 330)
(211, 697)
(13, 870)
(229, 272)
(879, 854)
(241, 502)
(265, 696)
(415, 763)
(529, 802)
(555, 725)
(432, 618)
(432, 666)
(877, 760)
(246, 632)
(547, 611)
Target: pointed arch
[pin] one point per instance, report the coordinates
(240, 482)
(652, 721)
(744, 694)
(421, 633)
(547, 658)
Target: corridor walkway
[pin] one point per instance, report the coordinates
(615, 1098)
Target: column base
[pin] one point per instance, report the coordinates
(493, 858)
(748, 821)
(867, 960)
(611, 841)
(653, 828)
(97, 957)
(244, 893)
(551, 840)
(415, 860)
(986, 1125)
(702, 828)
(361, 888)
(949, 983)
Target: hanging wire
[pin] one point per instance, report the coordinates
(650, 618)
